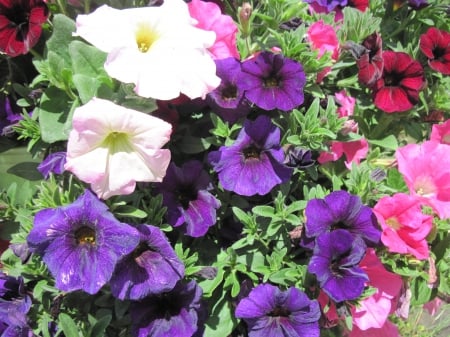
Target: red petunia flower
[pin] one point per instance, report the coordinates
(398, 89)
(370, 64)
(20, 25)
(435, 44)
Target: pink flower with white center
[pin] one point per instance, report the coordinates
(425, 170)
(441, 132)
(210, 17)
(158, 49)
(112, 147)
(405, 227)
(354, 151)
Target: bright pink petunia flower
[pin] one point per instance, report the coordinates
(435, 44)
(21, 25)
(373, 311)
(112, 147)
(354, 151)
(405, 227)
(346, 103)
(210, 17)
(389, 329)
(398, 89)
(425, 170)
(441, 132)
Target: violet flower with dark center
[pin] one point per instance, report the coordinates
(153, 267)
(335, 263)
(341, 210)
(179, 313)
(273, 81)
(253, 164)
(227, 100)
(185, 194)
(81, 243)
(268, 311)
(53, 163)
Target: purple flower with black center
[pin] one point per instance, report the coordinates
(179, 313)
(152, 268)
(81, 243)
(53, 163)
(273, 81)
(185, 194)
(341, 209)
(253, 164)
(227, 100)
(268, 311)
(335, 263)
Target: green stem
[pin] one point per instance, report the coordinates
(87, 6)
(62, 7)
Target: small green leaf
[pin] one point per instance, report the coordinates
(68, 326)
(390, 142)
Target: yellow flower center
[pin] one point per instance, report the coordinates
(145, 37)
(118, 142)
(85, 235)
(393, 223)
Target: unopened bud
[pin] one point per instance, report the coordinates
(245, 13)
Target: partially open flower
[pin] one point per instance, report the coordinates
(435, 44)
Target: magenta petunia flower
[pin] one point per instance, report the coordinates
(21, 25)
(398, 89)
(268, 311)
(335, 262)
(81, 243)
(441, 132)
(370, 63)
(152, 268)
(253, 164)
(273, 81)
(435, 44)
(185, 194)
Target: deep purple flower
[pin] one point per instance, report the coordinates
(253, 164)
(227, 100)
(273, 81)
(327, 5)
(185, 194)
(81, 243)
(152, 268)
(9, 114)
(14, 306)
(268, 311)
(53, 163)
(297, 157)
(341, 209)
(179, 313)
(418, 4)
(335, 263)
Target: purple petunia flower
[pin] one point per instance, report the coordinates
(179, 313)
(273, 81)
(297, 157)
(268, 311)
(152, 268)
(335, 263)
(253, 164)
(14, 306)
(81, 243)
(341, 209)
(185, 194)
(53, 163)
(227, 100)
(328, 5)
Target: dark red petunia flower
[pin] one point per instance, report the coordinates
(370, 63)
(435, 44)
(398, 89)
(20, 25)
(360, 5)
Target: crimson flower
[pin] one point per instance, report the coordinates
(435, 44)
(20, 25)
(398, 89)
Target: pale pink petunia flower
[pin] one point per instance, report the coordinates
(441, 132)
(373, 311)
(433, 306)
(112, 147)
(354, 151)
(158, 49)
(405, 227)
(210, 17)
(425, 170)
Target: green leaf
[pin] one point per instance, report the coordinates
(221, 320)
(130, 211)
(390, 142)
(63, 27)
(99, 328)
(265, 211)
(68, 326)
(86, 59)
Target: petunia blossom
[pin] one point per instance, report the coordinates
(269, 311)
(405, 227)
(389, 329)
(435, 44)
(81, 243)
(53, 163)
(210, 17)
(112, 147)
(398, 88)
(441, 132)
(425, 170)
(354, 151)
(157, 48)
(152, 268)
(253, 164)
(21, 25)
